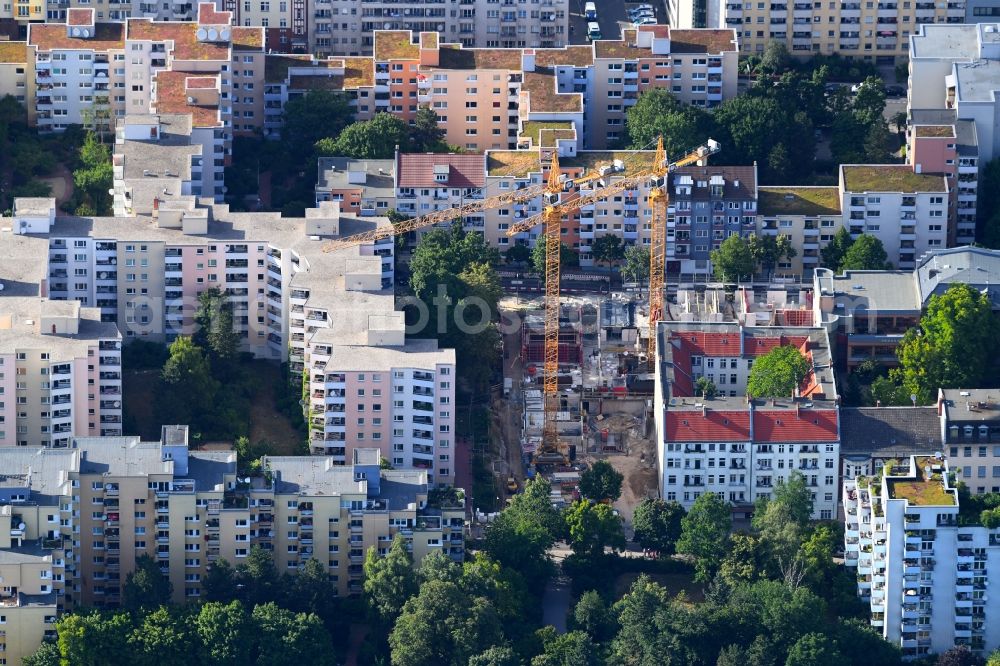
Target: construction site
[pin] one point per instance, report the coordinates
(604, 401)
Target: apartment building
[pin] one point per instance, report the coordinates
(15, 77)
(870, 437)
(875, 31)
(907, 211)
(733, 446)
(922, 563)
(154, 158)
(362, 187)
(970, 431)
(958, 67)
(80, 517)
(348, 27)
(398, 398)
(808, 216)
(433, 182)
(79, 70)
(871, 310)
(941, 144)
(287, 77)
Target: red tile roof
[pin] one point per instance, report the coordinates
(80, 16)
(417, 170)
(51, 36)
(710, 426)
(700, 343)
(806, 425)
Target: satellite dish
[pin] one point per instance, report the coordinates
(21, 526)
(76, 32)
(117, 404)
(86, 32)
(224, 33)
(201, 34)
(213, 34)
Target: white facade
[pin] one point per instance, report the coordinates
(923, 572)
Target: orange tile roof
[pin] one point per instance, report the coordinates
(80, 16)
(572, 56)
(702, 41)
(248, 39)
(13, 52)
(182, 34)
(171, 97)
(52, 36)
(208, 16)
(541, 88)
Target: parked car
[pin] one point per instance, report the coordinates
(634, 15)
(649, 20)
(895, 91)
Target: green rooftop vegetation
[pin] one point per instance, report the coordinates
(890, 178)
(635, 160)
(941, 131)
(798, 201)
(925, 489)
(533, 128)
(512, 163)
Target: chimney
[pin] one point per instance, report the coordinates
(798, 411)
(878, 403)
(704, 410)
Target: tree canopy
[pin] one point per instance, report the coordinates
(705, 534)
(954, 346)
(778, 373)
(733, 261)
(377, 138)
(592, 528)
(865, 254)
(657, 525)
(601, 482)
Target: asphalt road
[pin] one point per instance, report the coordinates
(609, 14)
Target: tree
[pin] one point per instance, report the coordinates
(657, 525)
(519, 253)
(782, 522)
(733, 261)
(593, 616)
(865, 254)
(767, 251)
(994, 659)
(572, 649)
(443, 625)
(814, 650)
(834, 251)
(225, 633)
(220, 582)
(660, 114)
(887, 393)
(316, 115)
(425, 135)
(164, 636)
(498, 655)
(567, 257)
(601, 482)
(592, 528)
(899, 121)
(94, 177)
(778, 373)
(636, 266)
(93, 639)
(215, 325)
(146, 587)
(954, 345)
(377, 138)
(869, 102)
(258, 576)
(389, 580)
(747, 561)
(284, 637)
(705, 387)
(47, 654)
(608, 248)
(438, 566)
(522, 534)
(775, 58)
(959, 655)
(188, 366)
(878, 143)
(705, 534)
(641, 641)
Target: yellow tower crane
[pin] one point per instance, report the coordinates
(551, 216)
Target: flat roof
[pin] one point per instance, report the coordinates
(567, 56)
(964, 405)
(415, 353)
(541, 87)
(14, 52)
(934, 131)
(52, 36)
(334, 174)
(713, 42)
(512, 163)
(395, 45)
(875, 291)
(976, 266)
(453, 56)
(890, 178)
(798, 201)
(922, 487)
(951, 41)
(977, 81)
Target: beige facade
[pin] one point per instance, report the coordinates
(875, 31)
(16, 76)
(808, 216)
(76, 520)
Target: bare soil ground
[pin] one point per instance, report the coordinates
(266, 422)
(638, 466)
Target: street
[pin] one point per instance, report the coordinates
(609, 14)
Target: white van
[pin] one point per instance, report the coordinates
(590, 11)
(593, 31)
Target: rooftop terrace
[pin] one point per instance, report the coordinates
(926, 487)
